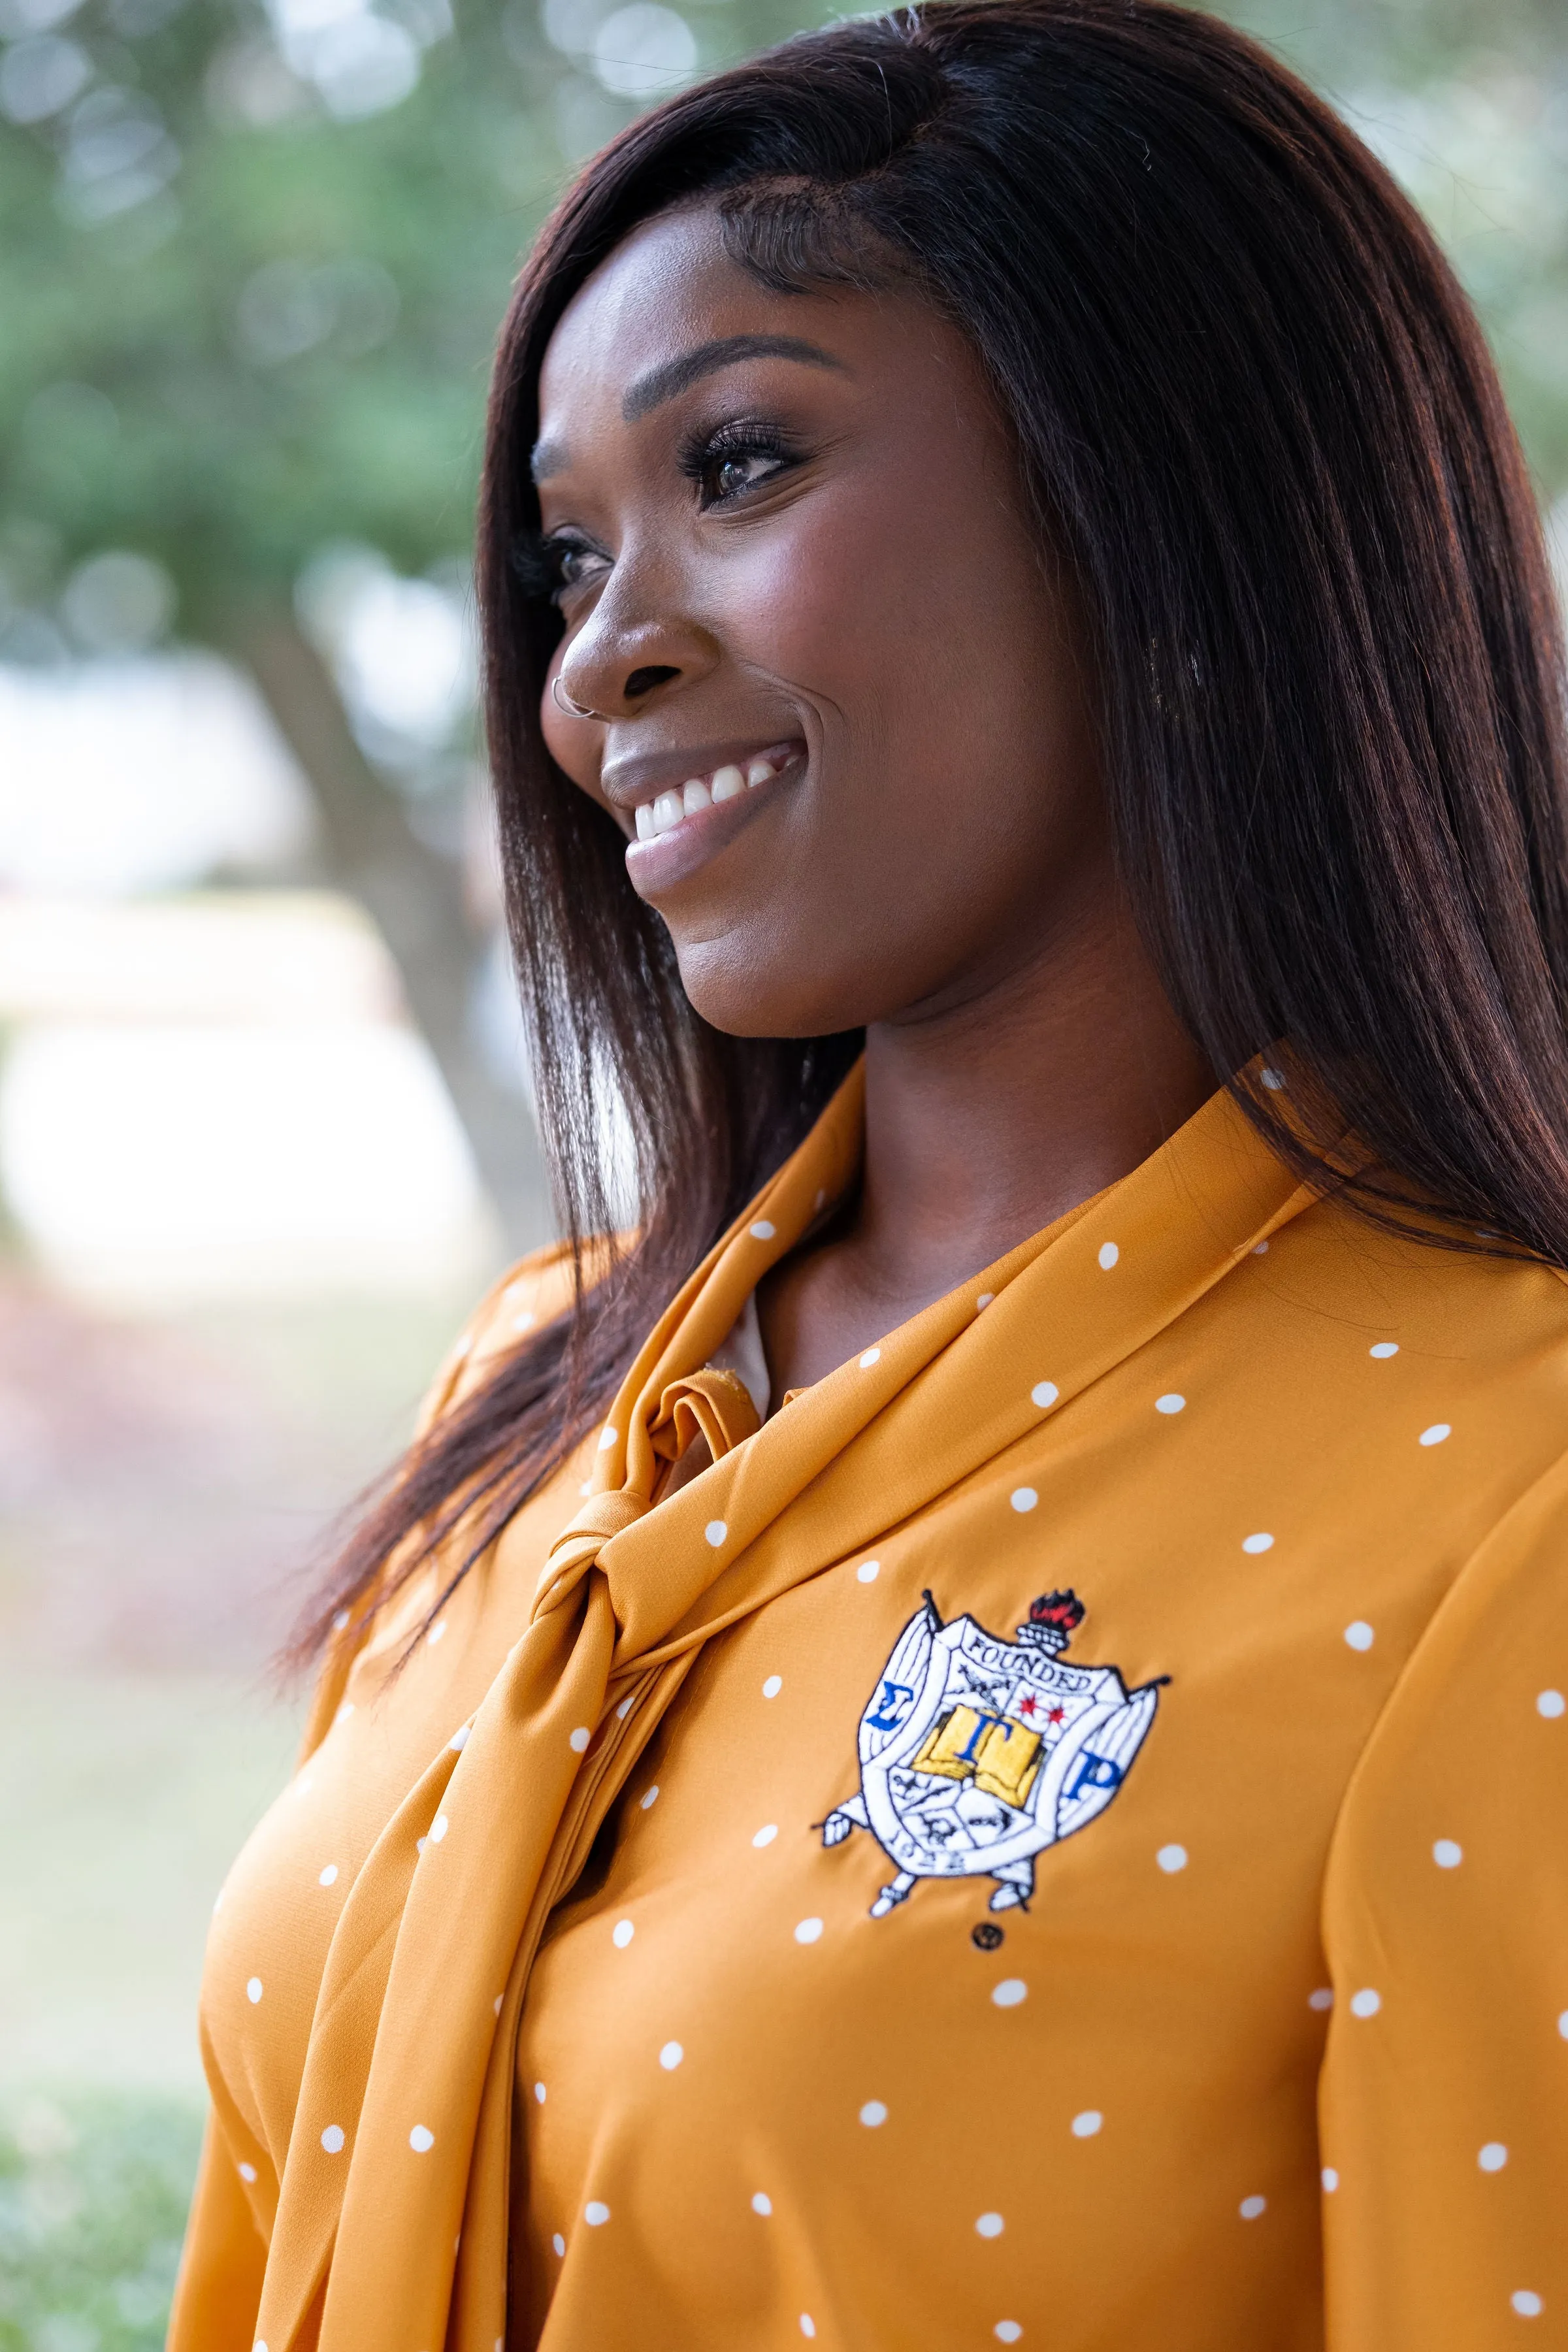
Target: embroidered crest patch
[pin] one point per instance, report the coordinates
(977, 1753)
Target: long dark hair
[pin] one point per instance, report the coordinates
(1256, 413)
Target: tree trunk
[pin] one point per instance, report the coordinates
(414, 896)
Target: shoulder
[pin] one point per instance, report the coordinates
(528, 1296)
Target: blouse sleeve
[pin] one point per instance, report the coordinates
(1444, 2099)
(219, 2290)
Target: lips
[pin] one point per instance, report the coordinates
(666, 812)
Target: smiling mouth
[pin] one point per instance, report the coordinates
(666, 812)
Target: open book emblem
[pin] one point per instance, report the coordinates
(977, 1753)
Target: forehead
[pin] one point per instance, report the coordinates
(670, 284)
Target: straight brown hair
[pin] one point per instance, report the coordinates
(1256, 412)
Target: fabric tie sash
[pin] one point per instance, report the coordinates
(401, 2240)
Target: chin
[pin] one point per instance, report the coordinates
(750, 995)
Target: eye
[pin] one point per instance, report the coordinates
(729, 475)
(736, 458)
(552, 564)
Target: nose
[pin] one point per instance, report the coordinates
(620, 663)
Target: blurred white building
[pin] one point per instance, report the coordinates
(209, 1094)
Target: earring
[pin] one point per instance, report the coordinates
(563, 700)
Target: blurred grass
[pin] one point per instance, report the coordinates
(93, 2189)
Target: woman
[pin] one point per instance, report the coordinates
(959, 1737)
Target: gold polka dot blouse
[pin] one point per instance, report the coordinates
(1056, 1837)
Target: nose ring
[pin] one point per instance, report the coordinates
(563, 700)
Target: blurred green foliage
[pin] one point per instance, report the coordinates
(92, 2203)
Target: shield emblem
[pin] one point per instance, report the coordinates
(977, 1753)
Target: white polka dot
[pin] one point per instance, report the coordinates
(419, 1845)
(808, 1931)
(621, 1934)
(496, 2003)
(1383, 1350)
(340, 1619)
(253, 1989)
(421, 2139)
(1043, 1394)
(1493, 2157)
(607, 1436)
(459, 1739)
(436, 1631)
(763, 2204)
(464, 1344)
(1006, 2331)
(539, 2093)
(1172, 1858)
(333, 2138)
(1562, 2025)
(872, 1356)
(1259, 1249)
(821, 1200)
(1436, 1433)
(983, 1300)
(715, 1532)
(559, 2242)
(1257, 1543)
(595, 2214)
(438, 1829)
(1170, 1403)
(869, 1571)
(1322, 1998)
(1360, 1635)
(1366, 2002)
(522, 1322)
(772, 1686)
(626, 1706)
(1109, 1254)
(247, 2171)
(586, 1488)
(329, 1877)
(766, 1834)
(1447, 1854)
(807, 2325)
(763, 1231)
(1528, 2305)
(651, 1797)
(1551, 1703)
(990, 2225)
(258, 2346)
(579, 1739)
(1272, 1079)
(1022, 1499)
(1009, 1993)
(1251, 2207)
(1330, 2179)
(1084, 2126)
(303, 1785)
(670, 2056)
(345, 1711)
(873, 2113)
(217, 1902)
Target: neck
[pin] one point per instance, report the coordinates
(988, 1116)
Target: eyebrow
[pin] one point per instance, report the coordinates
(662, 383)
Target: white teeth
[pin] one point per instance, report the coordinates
(672, 808)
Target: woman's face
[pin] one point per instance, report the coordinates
(844, 701)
